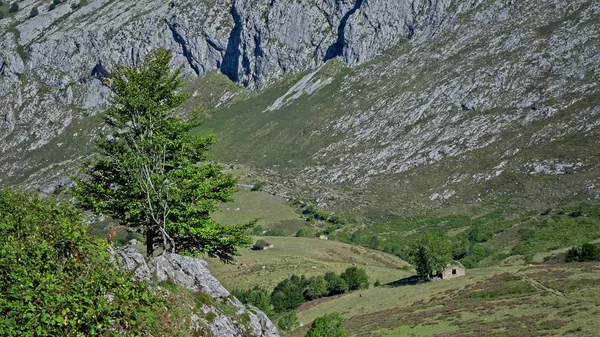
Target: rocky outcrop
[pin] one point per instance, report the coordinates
(193, 274)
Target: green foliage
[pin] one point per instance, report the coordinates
(377, 283)
(317, 287)
(431, 254)
(34, 12)
(356, 278)
(257, 296)
(51, 7)
(152, 174)
(287, 295)
(1, 15)
(56, 280)
(335, 284)
(327, 326)
(586, 253)
(14, 7)
(302, 233)
(56, 2)
(288, 321)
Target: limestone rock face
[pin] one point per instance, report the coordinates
(194, 274)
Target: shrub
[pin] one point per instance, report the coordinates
(327, 326)
(587, 252)
(356, 278)
(257, 296)
(56, 2)
(288, 321)
(317, 287)
(302, 233)
(56, 280)
(335, 284)
(287, 296)
(14, 7)
(51, 7)
(377, 283)
(1, 15)
(34, 12)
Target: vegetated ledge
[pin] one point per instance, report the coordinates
(215, 312)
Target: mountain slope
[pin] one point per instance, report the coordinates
(504, 107)
(446, 103)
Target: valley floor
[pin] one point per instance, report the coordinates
(520, 300)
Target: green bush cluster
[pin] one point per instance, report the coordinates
(56, 280)
(291, 293)
(312, 212)
(288, 321)
(327, 326)
(256, 296)
(585, 253)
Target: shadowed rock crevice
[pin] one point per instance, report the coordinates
(184, 47)
(231, 59)
(337, 49)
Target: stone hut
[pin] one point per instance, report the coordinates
(454, 269)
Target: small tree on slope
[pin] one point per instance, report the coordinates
(430, 255)
(151, 173)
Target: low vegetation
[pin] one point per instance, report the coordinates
(327, 326)
(57, 280)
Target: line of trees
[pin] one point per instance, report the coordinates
(292, 292)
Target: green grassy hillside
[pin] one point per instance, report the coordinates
(303, 256)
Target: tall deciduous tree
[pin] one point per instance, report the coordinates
(431, 254)
(152, 173)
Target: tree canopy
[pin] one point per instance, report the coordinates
(430, 254)
(152, 173)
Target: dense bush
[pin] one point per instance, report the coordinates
(587, 252)
(356, 278)
(257, 296)
(335, 284)
(302, 233)
(14, 7)
(287, 295)
(327, 326)
(288, 322)
(316, 288)
(56, 280)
